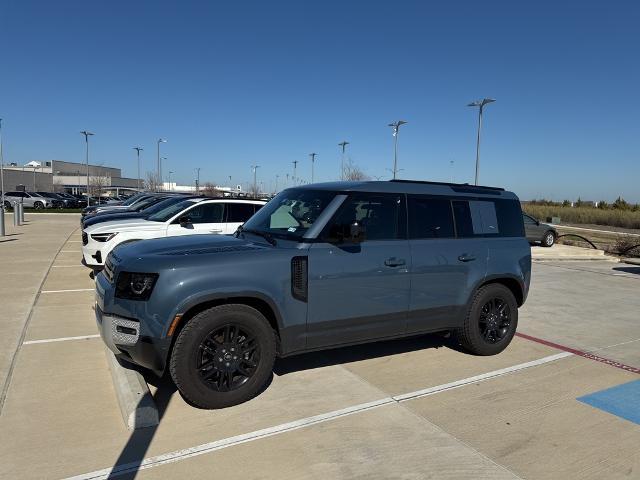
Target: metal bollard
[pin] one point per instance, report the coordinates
(2, 233)
(21, 214)
(16, 215)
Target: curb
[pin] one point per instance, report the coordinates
(631, 261)
(134, 399)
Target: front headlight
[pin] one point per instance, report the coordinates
(135, 286)
(103, 237)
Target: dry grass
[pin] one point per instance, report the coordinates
(590, 215)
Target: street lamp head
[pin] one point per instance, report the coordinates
(481, 103)
(162, 140)
(86, 133)
(139, 149)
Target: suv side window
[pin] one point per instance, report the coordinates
(528, 220)
(488, 218)
(381, 215)
(207, 213)
(430, 217)
(239, 212)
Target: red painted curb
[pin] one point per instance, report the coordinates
(590, 356)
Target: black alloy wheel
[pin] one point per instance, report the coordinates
(491, 321)
(227, 358)
(494, 320)
(223, 356)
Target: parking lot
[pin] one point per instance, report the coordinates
(411, 409)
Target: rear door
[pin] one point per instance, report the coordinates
(448, 258)
(360, 292)
(237, 214)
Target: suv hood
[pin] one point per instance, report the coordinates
(189, 245)
(128, 225)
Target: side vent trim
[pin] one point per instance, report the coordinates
(300, 278)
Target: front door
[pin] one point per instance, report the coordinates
(202, 218)
(359, 292)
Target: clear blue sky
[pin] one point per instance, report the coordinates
(230, 84)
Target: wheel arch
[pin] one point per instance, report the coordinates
(512, 283)
(254, 300)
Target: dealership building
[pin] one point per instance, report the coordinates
(58, 175)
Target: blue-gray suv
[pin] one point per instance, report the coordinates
(318, 267)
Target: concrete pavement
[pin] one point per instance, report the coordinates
(26, 253)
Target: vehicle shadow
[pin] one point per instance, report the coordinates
(135, 450)
(8, 240)
(355, 353)
(635, 270)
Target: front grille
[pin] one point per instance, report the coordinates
(85, 238)
(299, 278)
(108, 269)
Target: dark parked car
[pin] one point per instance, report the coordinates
(60, 201)
(141, 212)
(318, 267)
(538, 232)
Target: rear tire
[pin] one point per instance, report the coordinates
(224, 356)
(491, 321)
(549, 239)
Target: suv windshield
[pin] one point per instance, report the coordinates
(290, 213)
(170, 211)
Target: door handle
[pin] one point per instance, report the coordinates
(465, 257)
(216, 230)
(394, 262)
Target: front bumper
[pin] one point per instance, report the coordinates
(122, 336)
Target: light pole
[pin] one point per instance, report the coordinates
(138, 150)
(295, 165)
(480, 104)
(198, 180)
(255, 183)
(313, 160)
(86, 140)
(276, 189)
(160, 140)
(396, 131)
(342, 144)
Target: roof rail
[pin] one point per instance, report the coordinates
(452, 185)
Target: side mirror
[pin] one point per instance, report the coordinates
(538, 222)
(184, 220)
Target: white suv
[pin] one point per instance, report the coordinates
(193, 216)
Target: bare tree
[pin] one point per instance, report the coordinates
(97, 185)
(209, 189)
(352, 172)
(152, 183)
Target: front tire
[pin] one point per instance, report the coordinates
(548, 240)
(224, 356)
(491, 321)
(38, 205)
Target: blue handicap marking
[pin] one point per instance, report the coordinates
(622, 401)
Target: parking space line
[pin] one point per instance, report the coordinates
(479, 378)
(71, 290)
(179, 455)
(580, 353)
(61, 339)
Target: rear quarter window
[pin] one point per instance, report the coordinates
(488, 218)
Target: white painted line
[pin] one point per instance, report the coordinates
(61, 339)
(479, 378)
(72, 290)
(179, 455)
(74, 241)
(68, 266)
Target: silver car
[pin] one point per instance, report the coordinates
(28, 199)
